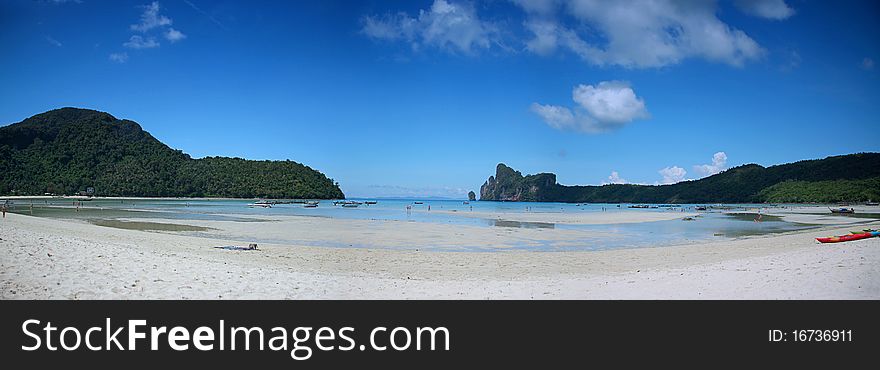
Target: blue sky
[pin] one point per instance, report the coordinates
(424, 98)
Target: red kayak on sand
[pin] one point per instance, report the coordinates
(846, 238)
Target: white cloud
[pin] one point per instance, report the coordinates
(138, 42)
(610, 101)
(867, 64)
(557, 117)
(770, 9)
(538, 7)
(719, 163)
(606, 106)
(638, 34)
(445, 25)
(546, 36)
(672, 175)
(119, 57)
(152, 26)
(53, 42)
(151, 18)
(614, 178)
(174, 35)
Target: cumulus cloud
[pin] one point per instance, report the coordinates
(555, 116)
(446, 25)
(150, 18)
(174, 35)
(719, 163)
(637, 34)
(672, 175)
(610, 101)
(139, 42)
(770, 9)
(606, 106)
(615, 178)
(119, 57)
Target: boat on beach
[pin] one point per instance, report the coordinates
(843, 210)
(848, 237)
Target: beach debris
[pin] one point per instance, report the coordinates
(250, 247)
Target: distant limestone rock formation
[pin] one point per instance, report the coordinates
(852, 178)
(472, 196)
(511, 185)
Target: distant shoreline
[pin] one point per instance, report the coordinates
(80, 197)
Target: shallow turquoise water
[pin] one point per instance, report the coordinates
(713, 224)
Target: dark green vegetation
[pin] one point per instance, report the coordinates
(851, 178)
(68, 150)
(823, 191)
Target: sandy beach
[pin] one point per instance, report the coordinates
(42, 258)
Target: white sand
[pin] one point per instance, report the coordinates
(52, 259)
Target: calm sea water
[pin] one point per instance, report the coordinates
(716, 223)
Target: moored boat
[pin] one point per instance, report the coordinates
(260, 205)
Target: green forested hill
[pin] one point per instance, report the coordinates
(851, 177)
(65, 151)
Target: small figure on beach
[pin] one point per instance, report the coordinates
(429, 207)
(3, 209)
